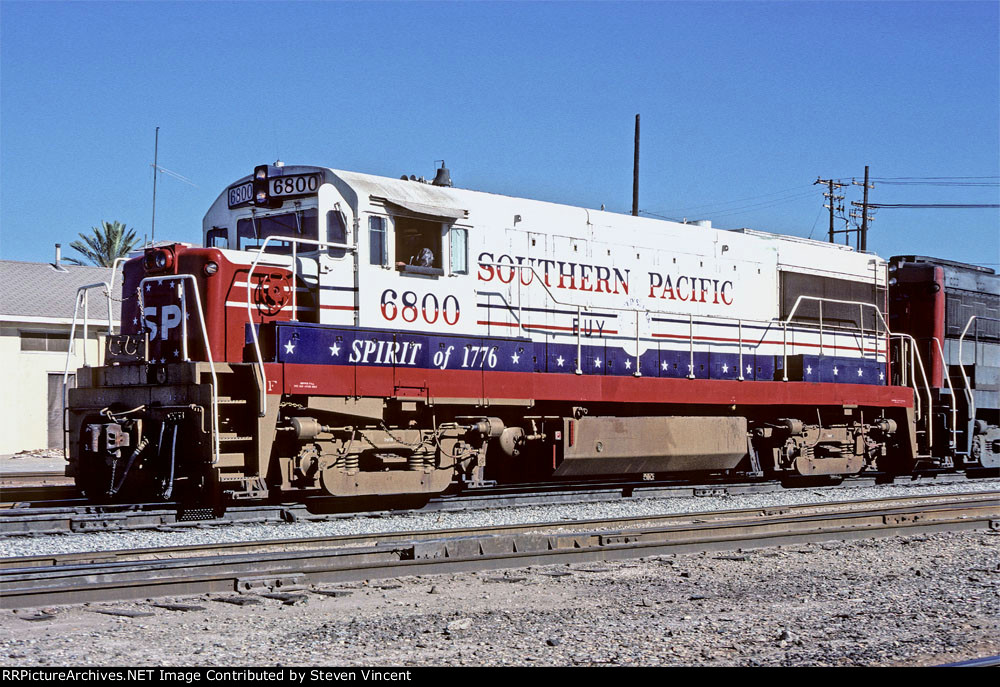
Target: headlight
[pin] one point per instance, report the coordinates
(158, 260)
(211, 268)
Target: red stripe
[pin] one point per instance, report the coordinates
(337, 307)
(477, 385)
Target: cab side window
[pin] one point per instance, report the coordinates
(336, 232)
(458, 244)
(217, 237)
(418, 246)
(377, 254)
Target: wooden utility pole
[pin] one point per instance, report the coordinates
(833, 184)
(635, 172)
(863, 233)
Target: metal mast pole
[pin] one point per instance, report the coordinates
(156, 150)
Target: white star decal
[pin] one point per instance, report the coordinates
(859, 372)
(176, 353)
(835, 372)
(290, 347)
(560, 360)
(163, 360)
(809, 369)
(335, 349)
(628, 364)
(690, 367)
(597, 362)
(148, 285)
(135, 320)
(881, 376)
(515, 359)
(664, 365)
(725, 368)
(749, 369)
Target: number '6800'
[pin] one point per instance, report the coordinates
(409, 307)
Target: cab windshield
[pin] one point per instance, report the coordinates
(252, 231)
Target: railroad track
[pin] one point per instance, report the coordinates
(20, 487)
(76, 516)
(303, 564)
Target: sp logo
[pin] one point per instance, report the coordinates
(169, 318)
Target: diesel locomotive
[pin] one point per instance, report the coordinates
(346, 335)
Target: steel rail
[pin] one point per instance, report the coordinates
(86, 557)
(61, 518)
(397, 554)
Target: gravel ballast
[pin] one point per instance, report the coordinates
(622, 508)
(917, 600)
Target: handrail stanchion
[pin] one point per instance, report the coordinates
(579, 346)
(861, 326)
(520, 307)
(295, 282)
(637, 372)
(86, 317)
(784, 351)
(182, 292)
(821, 329)
(739, 324)
(691, 374)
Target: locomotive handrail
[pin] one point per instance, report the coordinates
(82, 294)
(819, 299)
(969, 396)
(253, 329)
(739, 321)
(951, 390)
(184, 344)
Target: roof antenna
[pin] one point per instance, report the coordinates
(156, 151)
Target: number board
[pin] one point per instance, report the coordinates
(294, 185)
(240, 194)
(277, 187)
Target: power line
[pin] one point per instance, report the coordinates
(929, 178)
(933, 205)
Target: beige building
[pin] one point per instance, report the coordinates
(36, 313)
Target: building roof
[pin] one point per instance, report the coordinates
(40, 292)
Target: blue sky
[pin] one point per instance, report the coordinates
(743, 105)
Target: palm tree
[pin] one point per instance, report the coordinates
(109, 241)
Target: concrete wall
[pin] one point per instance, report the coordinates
(24, 383)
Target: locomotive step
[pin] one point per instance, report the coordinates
(229, 401)
(233, 437)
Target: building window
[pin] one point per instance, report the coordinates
(44, 341)
(376, 241)
(459, 248)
